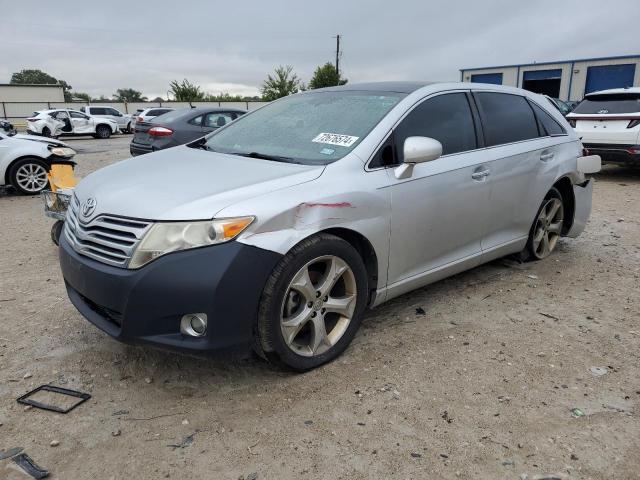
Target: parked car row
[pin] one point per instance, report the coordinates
(66, 122)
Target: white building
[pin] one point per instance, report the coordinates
(10, 92)
(567, 79)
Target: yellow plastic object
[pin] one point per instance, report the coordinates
(61, 177)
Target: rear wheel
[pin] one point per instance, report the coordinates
(46, 132)
(29, 176)
(547, 227)
(312, 304)
(103, 131)
(128, 129)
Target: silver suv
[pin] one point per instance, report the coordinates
(123, 120)
(278, 230)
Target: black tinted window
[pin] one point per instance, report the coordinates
(98, 111)
(609, 103)
(447, 118)
(551, 127)
(506, 118)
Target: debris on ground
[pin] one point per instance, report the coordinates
(576, 412)
(186, 441)
(598, 371)
(55, 443)
(12, 452)
(420, 311)
(43, 397)
(27, 464)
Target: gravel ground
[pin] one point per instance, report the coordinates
(482, 385)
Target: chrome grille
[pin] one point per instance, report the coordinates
(106, 238)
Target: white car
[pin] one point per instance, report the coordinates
(150, 113)
(66, 122)
(25, 161)
(608, 122)
(124, 121)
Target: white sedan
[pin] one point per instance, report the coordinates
(25, 161)
(65, 122)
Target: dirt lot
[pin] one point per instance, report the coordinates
(480, 387)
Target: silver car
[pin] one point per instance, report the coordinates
(279, 230)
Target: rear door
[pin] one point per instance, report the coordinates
(439, 214)
(523, 165)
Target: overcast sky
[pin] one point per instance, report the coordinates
(230, 46)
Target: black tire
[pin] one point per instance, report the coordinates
(269, 342)
(56, 231)
(529, 253)
(26, 162)
(103, 132)
(46, 132)
(129, 130)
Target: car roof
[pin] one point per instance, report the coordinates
(397, 87)
(630, 90)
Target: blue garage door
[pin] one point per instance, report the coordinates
(542, 74)
(493, 78)
(609, 76)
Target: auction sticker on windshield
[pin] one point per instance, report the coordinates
(335, 139)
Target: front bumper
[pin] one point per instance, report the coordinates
(612, 153)
(145, 306)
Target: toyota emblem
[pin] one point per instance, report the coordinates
(88, 207)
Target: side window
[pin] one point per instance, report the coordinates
(77, 115)
(549, 124)
(216, 120)
(385, 156)
(447, 118)
(98, 111)
(506, 118)
(60, 115)
(196, 121)
(113, 111)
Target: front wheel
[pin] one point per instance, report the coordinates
(547, 226)
(312, 304)
(103, 132)
(29, 176)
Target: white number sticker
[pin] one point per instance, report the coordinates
(335, 139)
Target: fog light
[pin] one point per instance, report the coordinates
(194, 324)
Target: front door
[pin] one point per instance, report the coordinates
(80, 122)
(439, 214)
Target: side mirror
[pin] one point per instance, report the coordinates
(417, 150)
(421, 149)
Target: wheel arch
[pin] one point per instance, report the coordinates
(565, 187)
(105, 124)
(366, 251)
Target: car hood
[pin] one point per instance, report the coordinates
(184, 183)
(49, 141)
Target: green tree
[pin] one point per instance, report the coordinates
(186, 91)
(129, 95)
(81, 96)
(38, 77)
(326, 76)
(284, 82)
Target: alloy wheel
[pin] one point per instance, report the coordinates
(548, 228)
(31, 177)
(318, 306)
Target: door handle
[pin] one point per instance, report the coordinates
(481, 175)
(546, 156)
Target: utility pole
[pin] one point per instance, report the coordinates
(338, 55)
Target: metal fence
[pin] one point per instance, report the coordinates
(16, 112)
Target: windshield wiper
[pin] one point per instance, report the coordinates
(266, 156)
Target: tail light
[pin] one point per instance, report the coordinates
(572, 122)
(139, 119)
(634, 123)
(160, 132)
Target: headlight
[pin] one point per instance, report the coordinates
(163, 238)
(62, 151)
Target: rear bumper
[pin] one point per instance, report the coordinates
(145, 306)
(613, 153)
(582, 195)
(139, 149)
